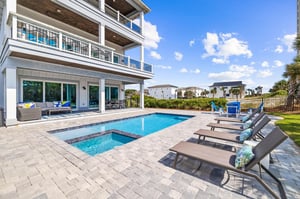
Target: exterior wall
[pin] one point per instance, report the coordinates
(163, 93)
(219, 93)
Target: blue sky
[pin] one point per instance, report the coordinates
(198, 42)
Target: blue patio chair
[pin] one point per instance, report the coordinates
(233, 109)
(216, 109)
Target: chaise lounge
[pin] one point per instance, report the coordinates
(232, 137)
(236, 127)
(226, 159)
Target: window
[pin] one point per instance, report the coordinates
(32, 91)
(69, 94)
(52, 91)
(111, 93)
(93, 96)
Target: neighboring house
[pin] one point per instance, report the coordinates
(223, 89)
(181, 92)
(56, 50)
(165, 91)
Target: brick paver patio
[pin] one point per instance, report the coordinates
(35, 164)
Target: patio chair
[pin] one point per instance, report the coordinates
(233, 109)
(226, 159)
(236, 127)
(216, 109)
(233, 137)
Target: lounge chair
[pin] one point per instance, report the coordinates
(235, 127)
(226, 159)
(216, 109)
(259, 109)
(233, 137)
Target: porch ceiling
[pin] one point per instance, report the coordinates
(55, 11)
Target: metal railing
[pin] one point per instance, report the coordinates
(41, 34)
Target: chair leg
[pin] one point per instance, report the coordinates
(175, 161)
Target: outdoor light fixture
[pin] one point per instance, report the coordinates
(83, 87)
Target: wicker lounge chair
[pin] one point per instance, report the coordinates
(232, 137)
(235, 127)
(225, 159)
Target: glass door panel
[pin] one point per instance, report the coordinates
(69, 94)
(52, 91)
(32, 91)
(93, 96)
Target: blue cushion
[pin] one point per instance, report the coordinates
(245, 118)
(57, 104)
(245, 134)
(247, 124)
(243, 156)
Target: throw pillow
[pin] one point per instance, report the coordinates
(57, 104)
(65, 103)
(245, 134)
(243, 156)
(247, 124)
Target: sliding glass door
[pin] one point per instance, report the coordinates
(93, 96)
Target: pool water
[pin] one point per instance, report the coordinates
(102, 143)
(141, 126)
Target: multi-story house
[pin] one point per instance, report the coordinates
(195, 91)
(223, 89)
(71, 50)
(164, 91)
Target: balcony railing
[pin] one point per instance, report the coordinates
(121, 18)
(35, 32)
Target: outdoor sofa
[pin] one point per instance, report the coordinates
(27, 114)
(53, 107)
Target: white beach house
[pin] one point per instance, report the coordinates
(75, 50)
(163, 91)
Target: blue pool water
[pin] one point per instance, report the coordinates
(141, 126)
(102, 143)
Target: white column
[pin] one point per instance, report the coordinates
(102, 34)
(11, 95)
(102, 95)
(142, 46)
(102, 5)
(142, 95)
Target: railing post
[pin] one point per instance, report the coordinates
(60, 46)
(90, 50)
(112, 57)
(131, 24)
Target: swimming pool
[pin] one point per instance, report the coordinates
(121, 131)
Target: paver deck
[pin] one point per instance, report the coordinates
(35, 164)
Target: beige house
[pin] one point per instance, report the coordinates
(223, 89)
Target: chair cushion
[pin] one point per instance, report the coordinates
(245, 134)
(247, 124)
(243, 156)
(245, 118)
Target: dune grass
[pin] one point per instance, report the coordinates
(290, 124)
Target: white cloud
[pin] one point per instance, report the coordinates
(155, 55)
(235, 72)
(151, 34)
(178, 56)
(278, 63)
(265, 64)
(279, 49)
(183, 70)
(192, 42)
(288, 41)
(224, 46)
(196, 71)
(252, 63)
(264, 73)
(163, 67)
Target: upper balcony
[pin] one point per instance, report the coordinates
(35, 33)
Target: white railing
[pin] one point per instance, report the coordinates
(42, 34)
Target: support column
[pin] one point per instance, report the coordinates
(102, 5)
(10, 90)
(142, 95)
(142, 56)
(102, 95)
(102, 34)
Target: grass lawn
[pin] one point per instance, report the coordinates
(290, 124)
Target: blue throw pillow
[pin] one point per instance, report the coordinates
(245, 134)
(243, 156)
(245, 118)
(65, 103)
(247, 124)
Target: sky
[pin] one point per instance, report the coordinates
(199, 42)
